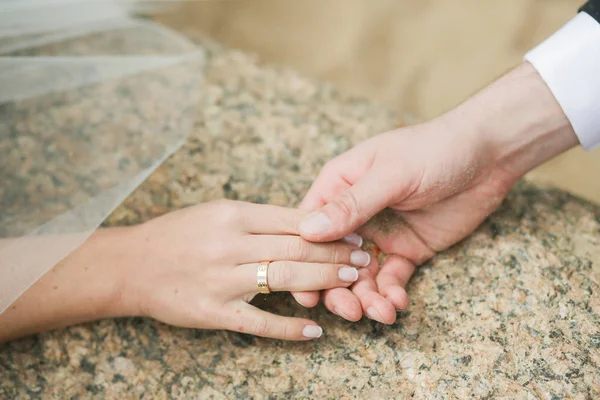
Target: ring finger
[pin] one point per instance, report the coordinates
(284, 276)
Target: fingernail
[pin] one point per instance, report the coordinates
(374, 314)
(392, 303)
(312, 331)
(348, 274)
(360, 258)
(354, 239)
(315, 224)
(340, 313)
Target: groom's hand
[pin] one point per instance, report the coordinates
(440, 180)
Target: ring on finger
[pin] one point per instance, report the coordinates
(262, 279)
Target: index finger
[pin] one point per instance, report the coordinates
(327, 186)
(338, 175)
(263, 219)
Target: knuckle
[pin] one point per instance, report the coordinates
(330, 167)
(219, 253)
(286, 330)
(223, 202)
(210, 318)
(297, 250)
(259, 326)
(347, 205)
(230, 212)
(339, 255)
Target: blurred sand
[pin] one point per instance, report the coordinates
(419, 57)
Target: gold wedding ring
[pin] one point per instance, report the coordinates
(261, 277)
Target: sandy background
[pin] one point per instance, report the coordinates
(418, 57)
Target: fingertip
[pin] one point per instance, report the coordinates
(360, 258)
(382, 310)
(307, 299)
(349, 313)
(318, 227)
(343, 303)
(398, 297)
(312, 331)
(315, 226)
(309, 303)
(354, 239)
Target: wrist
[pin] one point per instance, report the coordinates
(106, 257)
(518, 119)
(124, 251)
(140, 263)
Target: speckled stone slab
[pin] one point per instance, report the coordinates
(510, 313)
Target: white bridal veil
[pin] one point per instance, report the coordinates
(92, 100)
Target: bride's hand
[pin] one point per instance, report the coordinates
(197, 267)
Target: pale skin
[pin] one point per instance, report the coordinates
(194, 268)
(197, 267)
(443, 177)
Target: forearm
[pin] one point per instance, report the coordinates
(545, 106)
(87, 285)
(517, 120)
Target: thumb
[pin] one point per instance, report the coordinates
(349, 210)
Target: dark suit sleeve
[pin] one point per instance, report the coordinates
(592, 8)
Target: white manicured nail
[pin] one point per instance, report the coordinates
(354, 239)
(360, 258)
(348, 274)
(312, 331)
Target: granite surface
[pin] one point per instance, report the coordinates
(510, 313)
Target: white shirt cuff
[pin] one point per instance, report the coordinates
(569, 63)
